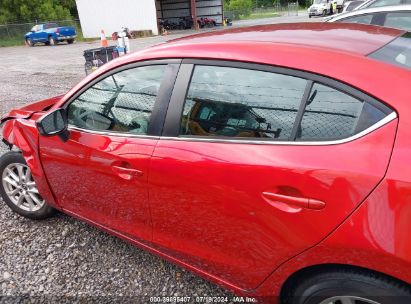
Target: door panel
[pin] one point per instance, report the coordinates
(82, 173)
(208, 206)
(101, 172)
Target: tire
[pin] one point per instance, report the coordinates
(52, 41)
(26, 202)
(30, 42)
(359, 286)
(70, 41)
(309, 16)
(324, 13)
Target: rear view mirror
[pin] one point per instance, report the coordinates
(54, 123)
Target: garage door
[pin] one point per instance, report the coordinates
(173, 10)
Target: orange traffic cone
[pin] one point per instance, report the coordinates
(103, 39)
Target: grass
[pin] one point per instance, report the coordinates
(11, 42)
(20, 41)
(261, 15)
(82, 39)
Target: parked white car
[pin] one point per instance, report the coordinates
(320, 8)
(396, 16)
(381, 3)
(325, 7)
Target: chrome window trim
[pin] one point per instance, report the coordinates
(118, 134)
(392, 116)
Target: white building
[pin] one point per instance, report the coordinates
(112, 15)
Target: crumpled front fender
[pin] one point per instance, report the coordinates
(22, 133)
(36, 108)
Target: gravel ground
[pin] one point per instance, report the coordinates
(63, 259)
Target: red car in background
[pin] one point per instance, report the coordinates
(273, 160)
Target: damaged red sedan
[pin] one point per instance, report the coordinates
(273, 160)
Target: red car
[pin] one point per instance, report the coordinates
(273, 160)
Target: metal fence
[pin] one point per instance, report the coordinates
(290, 9)
(16, 31)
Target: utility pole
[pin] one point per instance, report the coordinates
(194, 14)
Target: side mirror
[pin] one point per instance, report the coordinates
(54, 123)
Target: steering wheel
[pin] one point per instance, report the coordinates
(228, 131)
(82, 116)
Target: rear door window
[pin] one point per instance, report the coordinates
(239, 103)
(233, 102)
(50, 25)
(330, 115)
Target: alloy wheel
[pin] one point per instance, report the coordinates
(21, 188)
(347, 300)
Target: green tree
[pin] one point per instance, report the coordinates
(28, 11)
(240, 7)
(71, 6)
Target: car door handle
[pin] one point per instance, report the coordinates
(302, 202)
(126, 173)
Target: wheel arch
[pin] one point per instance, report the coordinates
(311, 270)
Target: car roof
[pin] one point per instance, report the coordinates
(327, 49)
(352, 38)
(392, 8)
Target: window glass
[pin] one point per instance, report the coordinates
(331, 114)
(397, 52)
(50, 25)
(353, 5)
(400, 20)
(122, 102)
(233, 102)
(379, 3)
(363, 19)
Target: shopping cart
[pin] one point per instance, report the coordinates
(95, 58)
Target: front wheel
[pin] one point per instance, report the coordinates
(324, 13)
(18, 188)
(348, 287)
(30, 42)
(52, 41)
(70, 41)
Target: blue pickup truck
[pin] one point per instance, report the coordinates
(50, 34)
